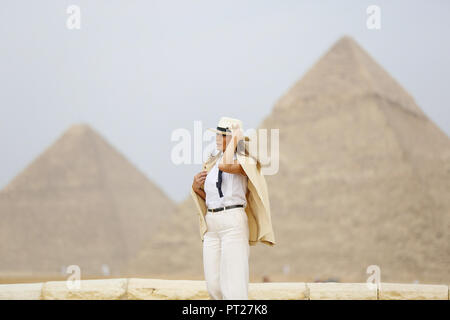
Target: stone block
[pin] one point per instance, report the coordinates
(403, 291)
(160, 289)
(21, 291)
(98, 289)
(277, 291)
(341, 291)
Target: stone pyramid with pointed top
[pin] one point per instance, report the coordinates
(365, 175)
(81, 202)
(364, 180)
(174, 251)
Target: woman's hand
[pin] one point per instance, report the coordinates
(199, 180)
(236, 133)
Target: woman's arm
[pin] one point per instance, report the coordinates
(234, 167)
(197, 185)
(200, 192)
(227, 164)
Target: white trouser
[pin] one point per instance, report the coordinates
(226, 254)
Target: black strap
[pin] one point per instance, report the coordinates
(219, 183)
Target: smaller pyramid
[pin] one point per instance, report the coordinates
(81, 202)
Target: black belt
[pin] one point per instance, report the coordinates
(227, 207)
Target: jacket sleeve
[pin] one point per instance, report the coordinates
(261, 205)
(201, 210)
(199, 202)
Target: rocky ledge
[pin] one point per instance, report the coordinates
(160, 289)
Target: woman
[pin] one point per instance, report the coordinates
(221, 190)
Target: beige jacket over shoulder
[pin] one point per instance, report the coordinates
(258, 206)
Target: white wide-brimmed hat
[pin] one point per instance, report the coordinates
(225, 124)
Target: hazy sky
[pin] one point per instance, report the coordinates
(137, 70)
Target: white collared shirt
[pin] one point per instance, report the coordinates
(234, 187)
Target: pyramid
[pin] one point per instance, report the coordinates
(81, 202)
(175, 251)
(368, 175)
(364, 179)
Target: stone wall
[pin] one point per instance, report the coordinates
(159, 289)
